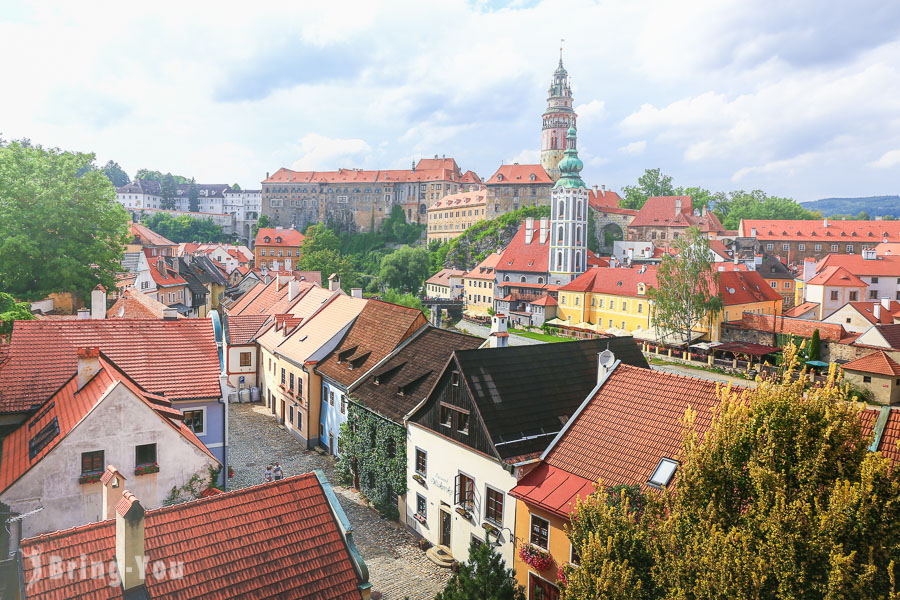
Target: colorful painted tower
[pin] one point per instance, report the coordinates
(558, 117)
(568, 217)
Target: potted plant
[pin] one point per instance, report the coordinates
(230, 471)
(90, 477)
(423, 543)
(463, 512)
(146, 469)
(561, 575)
(537, 558)
(419, 479)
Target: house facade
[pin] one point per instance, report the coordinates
(478, 286)
(452, 215)
(799, 240)
(241, 354)
(516, 186)
(446, 284)
(277, 249)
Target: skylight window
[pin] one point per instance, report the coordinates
(663, 473)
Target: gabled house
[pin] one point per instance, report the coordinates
(446, 284)
(880, 273)
(523, 271)
(176, 359)
(285, 539)
(878, 375)
(880, 336)
(152, 243)
(857, 317)
(160, 279)
(832, 288)
(99, 416)
(478, 286)
(627, 431)
(488, 418)
(375, 334)
(241, 354)
(779, 277)
(277, 249)
(662, 219)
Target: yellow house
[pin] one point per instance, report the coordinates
(478, 286)
(452, 215)
(617, 298)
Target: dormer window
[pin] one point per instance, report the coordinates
(663, 473)
(499, 177)
(267, 239)
(278, 240)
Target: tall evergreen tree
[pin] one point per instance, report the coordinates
(168, 192)
(483, 577)
(193, 197)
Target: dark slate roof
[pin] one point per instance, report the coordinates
(772, 268)
(195, 284)
(525, 391)
(207, 271)
(415, 368)
(140, 186)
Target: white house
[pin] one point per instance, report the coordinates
(100, 417)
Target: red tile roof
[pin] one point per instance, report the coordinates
(377, 331)
(441, 169)
(877, 362)
(745, 287)
(289, 237)
(836, 275)
(660, 211)
(132, 304)
(163, 275)
(443, 276)
(832, 332)
(516, 173)
(148, 237)
(460, 200)
(888, 266)
(275, 540)
(815, 230)
(604, 200)
(269, 298)
(67, 407)
(800, 309)
(486, 269)
(552, 489)
(891, 433)
(544, 301)
(622, 281)
(240, 329)
(156, 353)
(526, 258)
(594, 260)
(470, 177)
(867, 311)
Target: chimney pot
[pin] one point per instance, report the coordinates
(88, 364)
(113, 488)
(84, 313)
(886, 303)
(130, 541)
(356, 292)
(170, 314)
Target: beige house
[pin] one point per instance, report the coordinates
(878, 374)
(832, 288)
(446, 284)
(478, 286)
(452, 215)
(857, 317)
(55, 460)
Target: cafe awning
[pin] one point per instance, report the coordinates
(746, 348)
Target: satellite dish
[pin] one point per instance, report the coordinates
(122, 310)
(606, 358)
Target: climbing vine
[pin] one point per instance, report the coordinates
(380, 466)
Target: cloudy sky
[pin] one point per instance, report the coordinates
(797, 98)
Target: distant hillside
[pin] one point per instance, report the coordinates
(876, 206)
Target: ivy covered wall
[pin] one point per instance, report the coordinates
(376, 448)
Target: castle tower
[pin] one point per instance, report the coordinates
(568, 217)
(558, 117)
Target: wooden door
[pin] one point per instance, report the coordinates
(540, 589)
(446, 521)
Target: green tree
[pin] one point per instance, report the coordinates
(757, 205)
(158, 176)
(10, 311)
(193, 197)
(405, 269)
(235, 187)
(263, 222)
(168, 192)
(483, 577)
(185, 228)
(410, 300)
(652, 183)
(58, 232)
(115, 173)
(863, 216)
(701, 197)
(686, 293)
(815, 346)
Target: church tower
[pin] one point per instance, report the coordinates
(568, 217)
(558, 117)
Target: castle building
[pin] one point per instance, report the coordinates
(558, 118)
(568, 217)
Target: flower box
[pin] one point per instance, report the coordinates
(561, 575)
(536, 558)
(419, 518)
(490, 529)
(90, 477)
(230, 472)
(419, 479)
(463, 512)
(146, 469)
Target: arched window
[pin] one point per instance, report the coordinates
(562, 208)
(579, 209)
(523, 279)
(578, 261)
(578, 235)
(560, 236)
(540, 280)
(506, 278)
(559, 261)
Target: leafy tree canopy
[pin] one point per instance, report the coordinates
(193, 197)
(184, 228)
(159, 176)
(116, 175)
(779, 499)
(410, 300)
(405, 269)
(58, 232)
(483, 577)
(235, 187)
(652, 183)
(263, 222)
(10, 311)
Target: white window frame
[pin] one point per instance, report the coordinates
(196, 408)
(531, 519)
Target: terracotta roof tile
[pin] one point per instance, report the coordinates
(240, 329)
(516, 173)
(888, 266)
(800, 309)
(624, 281)
(867, 311)
(877, 362)
(527, 258)
(275, 540)
(836, 275)
(815, 230)
(460, 200)
(154, 352)
(745, 287)
(148, 237)
(289, 237)
(661, 211)
(608, 201)
(486, 269)
(443, 276)
(132, 304)
(377, 331)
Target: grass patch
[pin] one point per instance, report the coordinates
(659, 361)
(543, 337)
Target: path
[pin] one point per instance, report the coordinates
(483, 332)
(397, 568)
(700, 374)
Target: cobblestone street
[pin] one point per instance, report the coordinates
(397, 568)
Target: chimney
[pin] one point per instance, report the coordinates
(356, 292)
(499, 337)
(170, 314)
(825, 223)
(545, 229)
(677, 205)
(113, 488)
(175, 266)
(88, 364)
(161, 266)
(334, 282)
(281, 279)
(876, 312)
(84, 313)
(130, 542)
(753, 232)
(529, 229)
(293, 289)
(886, 303)
(98, 303)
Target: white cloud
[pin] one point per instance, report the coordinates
(527, 156)
(590, 112)
(889, 159)
(319, 152)
(634, 148)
